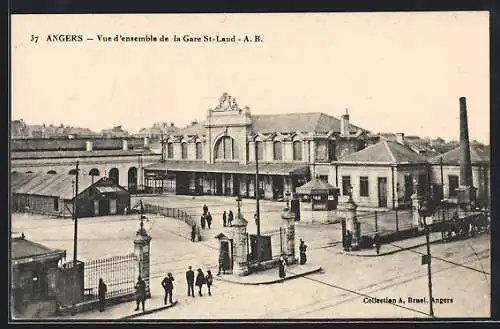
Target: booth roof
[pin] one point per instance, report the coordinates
(315, 186)
(22, 248)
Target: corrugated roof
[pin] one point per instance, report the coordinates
(315, 185)
(229, 167)
(22, 248)
(301, 122)
(78, 154)
(385, 152)
(453, 157)
(56, 185)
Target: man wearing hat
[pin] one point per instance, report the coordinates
(190, 281)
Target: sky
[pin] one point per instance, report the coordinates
(394, 72)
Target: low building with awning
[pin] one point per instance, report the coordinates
(224, 178)
(54, 194)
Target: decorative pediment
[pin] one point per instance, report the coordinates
(226, 103)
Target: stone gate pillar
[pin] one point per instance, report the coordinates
(142, 244)
(239, 233)
(288, 224)
(352, 224)
(416, 201)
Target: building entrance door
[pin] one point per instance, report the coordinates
(277, 183)
(382, 192)
(227, 257)
(103, 207)
(218, 184)
(236, 184)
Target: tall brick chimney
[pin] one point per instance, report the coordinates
(465, 161)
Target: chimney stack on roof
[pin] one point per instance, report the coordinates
(344, 124)
(465, 163)
(400, 138)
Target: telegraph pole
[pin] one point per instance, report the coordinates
(257, 197)
(75, 218)
(428, 261)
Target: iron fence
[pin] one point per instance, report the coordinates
(174, 213)
(118, 272)
(272, 245)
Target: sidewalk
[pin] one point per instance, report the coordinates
(397, 246)
(270, 276)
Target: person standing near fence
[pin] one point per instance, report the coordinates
(168, 286)
(140, 293)
(209, 219)
(302, 249)
(230, 218)
(281, 267)
(193, 232)
(190, 281)
(200, 281)
(101, 292)
(224, 219)
(209, 280)
(376, 242)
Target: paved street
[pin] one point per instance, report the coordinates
(460, 269)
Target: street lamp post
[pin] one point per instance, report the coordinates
(75, 217)
(257, 197)
(424, 211)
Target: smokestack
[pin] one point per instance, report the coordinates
(344, 124)
(465, 161)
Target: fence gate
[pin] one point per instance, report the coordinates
(118, 272)
(71, 283)
(272, 245)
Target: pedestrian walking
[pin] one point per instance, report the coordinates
(302, 250)
(209, 280)
(101, 292)
(281, 267)
(200, 281)
(376, 242)
(209, 219)
(230, 218)
(205, 209)
(190, 281)
(193, 232)
(168, 286)
(202, 221)
(224, 218)
(140, 293)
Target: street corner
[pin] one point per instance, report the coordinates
(270, 276)
(154, 310)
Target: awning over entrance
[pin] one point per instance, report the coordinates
(228, 167)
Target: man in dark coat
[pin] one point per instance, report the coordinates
(202, 221)
(230, 218)
(376, 242)
(101, 292)
(224, 219)
(168, 286)
(140, 293)
(200, 280)
(205, 209)
(190, 281)
(193, 232)
(302, 249)
(209, 219)
(348, 241)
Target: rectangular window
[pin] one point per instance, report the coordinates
(324, 177)
(453, 184)
(408, 187)
(346, 184)
(363, 186)
(56, 204)
(260, 150)
(322, 151)
(170, 150)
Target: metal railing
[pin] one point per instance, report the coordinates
(174, 213)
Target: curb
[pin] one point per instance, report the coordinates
(393, 251)
(135, 315)
(273, 280)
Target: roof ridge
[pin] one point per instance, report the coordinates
(389, 151)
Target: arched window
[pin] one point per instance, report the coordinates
(199, 150)
(226, 149)
(72, 172)
(297, 150)
(170, 150)
(260, 150)
(277, 151)
(94, 172)
(184, 151)
(51, 172)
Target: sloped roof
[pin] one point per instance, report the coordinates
(301, 122)
(315, 185)
(22, 248)
(79, 154)
(385, 152)
(56, 185)
(193, 129)
(452, 157)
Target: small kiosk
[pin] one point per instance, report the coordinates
(225, 253)
(318, 200)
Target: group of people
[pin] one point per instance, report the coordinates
(227, 218)
(201, 280)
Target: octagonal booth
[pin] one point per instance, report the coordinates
(318, 201)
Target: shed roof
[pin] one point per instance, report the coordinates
(453, 157)
(315, 186)
(22, 248)
(385, 152)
